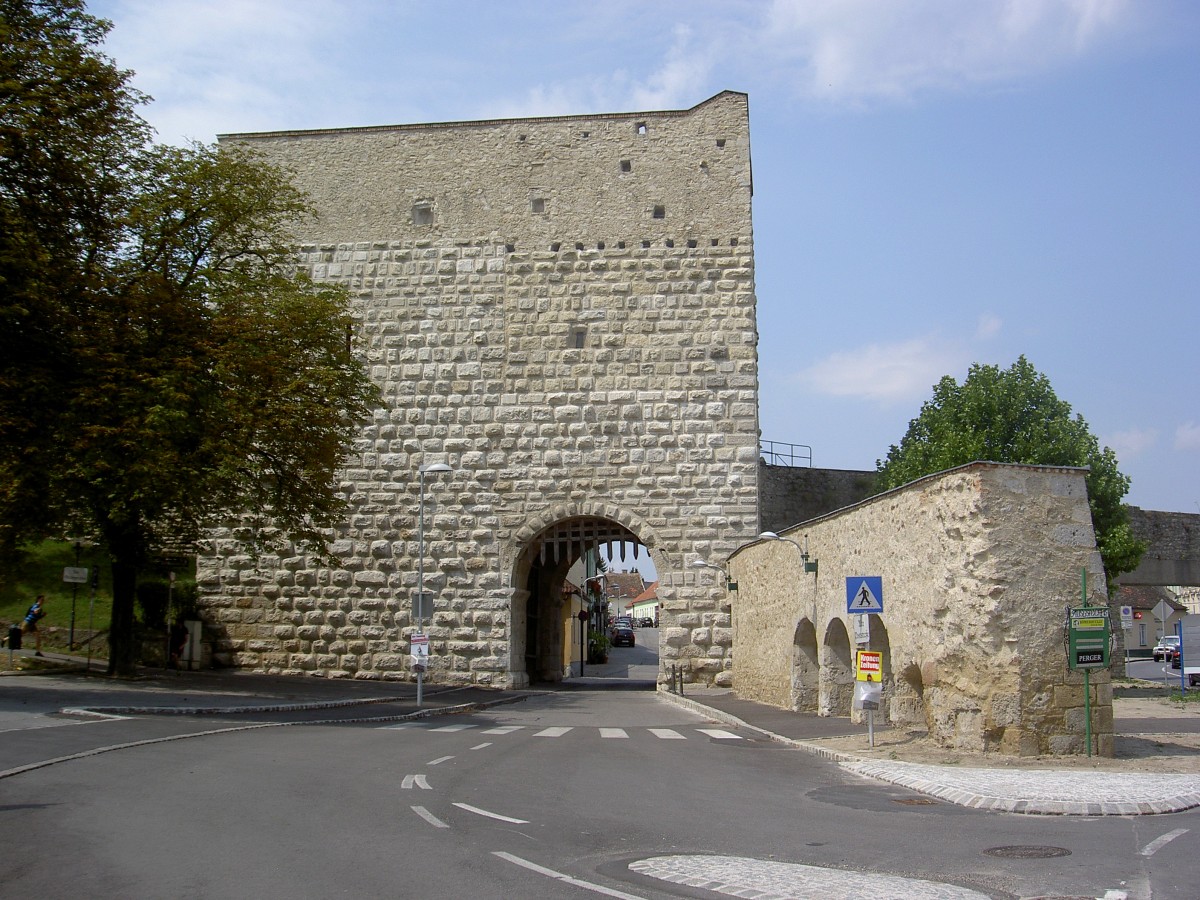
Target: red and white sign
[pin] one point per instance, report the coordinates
(869, 665)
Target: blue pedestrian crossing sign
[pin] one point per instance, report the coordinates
(864, 594)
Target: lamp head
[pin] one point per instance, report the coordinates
(435, 467)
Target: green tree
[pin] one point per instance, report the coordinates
(196, 376)
(1013, 415)
(68, 131)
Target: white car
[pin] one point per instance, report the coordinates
(1168, 643)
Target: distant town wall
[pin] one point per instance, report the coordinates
(792, 494)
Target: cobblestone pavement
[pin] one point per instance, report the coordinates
(1044, 791)
(766, 880)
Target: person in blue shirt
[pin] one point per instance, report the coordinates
(36, 612)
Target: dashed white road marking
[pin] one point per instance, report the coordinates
(551, 732)
(613, 733)
(504, 729)
(719, 734)
(667, 734)
(440, 759)
(567, 879)
(1158, 843)
(482, 746)
(490, 815)
(429, 817)
(452, 728)
(417, 780)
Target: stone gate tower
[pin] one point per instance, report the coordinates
(562, 310)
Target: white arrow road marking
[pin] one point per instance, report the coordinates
(667, 734)
(418, 780)
(1158, 843)
(552, 732)
(490, 815)
(586, 885)
(429, 817)
(441, 759)
(613, 733)
(719, 734)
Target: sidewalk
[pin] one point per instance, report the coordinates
(1043, 791)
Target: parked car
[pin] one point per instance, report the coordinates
(622, 635)
(646, 622)
(1168, 642)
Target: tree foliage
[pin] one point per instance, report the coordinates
(1014, 416)
(67, 125)
(170, 368)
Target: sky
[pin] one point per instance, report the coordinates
(937, 183)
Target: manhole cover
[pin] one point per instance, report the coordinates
(915, 801)
(1027, 852)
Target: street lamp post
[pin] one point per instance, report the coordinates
(419, 607)
(810, 565)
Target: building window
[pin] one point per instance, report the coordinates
(626, 166)
(660, 212)
(422, 213)
(539, 204)
(641, 128)
(578, 338)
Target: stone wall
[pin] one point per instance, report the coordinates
(563, 311)
(1172, 554)
(978, 565)
(791, 494)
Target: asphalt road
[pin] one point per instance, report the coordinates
(569, 794)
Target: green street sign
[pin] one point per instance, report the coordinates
(1089, 631)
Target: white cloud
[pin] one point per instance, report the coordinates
(223, 65)
(903, 371)
(855, 49)
(989, 326)
(1133, 443)
(1187, 436)
(677, 82)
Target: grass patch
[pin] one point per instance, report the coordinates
(1192, 695)
(41, 572)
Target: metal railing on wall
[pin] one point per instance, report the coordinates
(776, 453)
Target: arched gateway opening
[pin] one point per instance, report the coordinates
(557, 608)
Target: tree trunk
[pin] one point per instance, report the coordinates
(123, 651)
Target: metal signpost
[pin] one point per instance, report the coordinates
(1089, 632)
(864, 598)
(74, 576)
(422, 609)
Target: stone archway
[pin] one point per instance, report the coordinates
(907, 706)
(543, 623)
(837, 672)
(806, 668)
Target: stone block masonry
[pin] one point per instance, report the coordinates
(978, 565)
(562, 310)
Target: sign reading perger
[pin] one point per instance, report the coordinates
(1088, 631)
